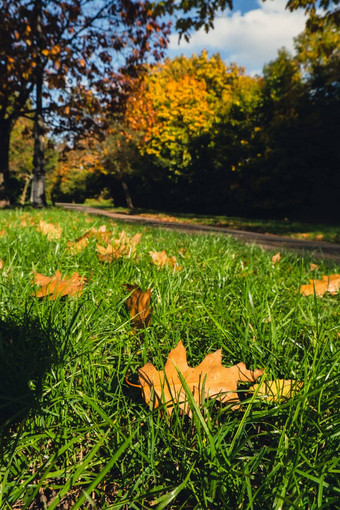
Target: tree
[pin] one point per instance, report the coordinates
(198, 117)
(82, 50)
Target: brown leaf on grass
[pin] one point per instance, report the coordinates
(329, 284)
(210, 379)
(78, 246)
(2, 233)
(49, 230)
(27, 221)
(55, 287)
(2, 263)
(278, 390)
(99, 233)
(313, 267)
(124, 246)
(161, 259)
(138, 304)
(276, 258)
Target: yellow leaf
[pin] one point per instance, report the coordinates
(275, 391)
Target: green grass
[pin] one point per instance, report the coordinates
(285, 227)
(74, 433)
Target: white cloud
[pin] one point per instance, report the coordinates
(251, 39)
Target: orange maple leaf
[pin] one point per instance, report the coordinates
(210, 379)
(138, 304)
(329, 284)
(55, 287)
(160, 258)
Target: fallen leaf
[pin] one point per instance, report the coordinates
(313, 267)
(276, 258)
(161, 259)
(2, 233)
(138, 304)
(2, 263)
(124, 246)
(275, 391)
(49, 230)
(55, 287)
(78, 246)
(329, 284)
(210, 379)
(99, 233)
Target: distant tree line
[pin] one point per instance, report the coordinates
(198, 135)
(190, 134)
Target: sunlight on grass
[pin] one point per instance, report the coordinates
(73, 432)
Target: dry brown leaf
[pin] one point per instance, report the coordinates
(27, 221)
(124, 246)
(55, 287)
(78, 246)
(313, 267)
(160, 258)
(278, 390)
(2, 263)
(210, 379)
(2, 233)
(99, 233)
(49, 230)
(138, 304)
(329, 284)
(276, 258)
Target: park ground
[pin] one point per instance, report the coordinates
(75, 434)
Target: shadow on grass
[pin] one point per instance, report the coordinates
(27, 352)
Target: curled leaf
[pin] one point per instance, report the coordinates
(138, 304)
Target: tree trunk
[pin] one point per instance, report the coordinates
(127, 194)
(24, 191)
(5, 132)
(38, 198)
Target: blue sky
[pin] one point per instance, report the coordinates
(250, 35)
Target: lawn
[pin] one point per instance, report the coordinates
(74, 434)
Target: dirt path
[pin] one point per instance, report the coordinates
(319, 249)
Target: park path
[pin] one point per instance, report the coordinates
(319, 249)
